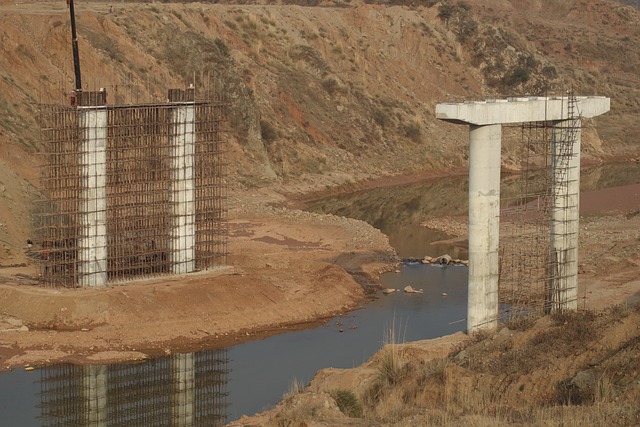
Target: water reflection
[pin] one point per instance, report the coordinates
(181, 390)
(399, 211)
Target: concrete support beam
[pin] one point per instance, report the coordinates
(519, 110)
(184, 376)
(95, 388)
(183, 237)
(92, 240)
(565, 215)
(484, 225)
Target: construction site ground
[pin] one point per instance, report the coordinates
(287, 269)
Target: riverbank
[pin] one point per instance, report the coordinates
(576, 356)
(576, 368)
(287, 268)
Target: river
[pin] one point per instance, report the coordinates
(216, 386)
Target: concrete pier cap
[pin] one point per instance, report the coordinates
(520, 109)
(485, 120)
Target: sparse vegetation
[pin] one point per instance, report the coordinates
(582, 384)
(222, 47)
(347, 402)
(330, 85)
(268, 131)
(413, 131)
(381, 118)
(296, 387)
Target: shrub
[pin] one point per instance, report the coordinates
(445, 11)
(347, 403)
(413, 131)
(519, 75)
(550, 72)
(268, 131)
(381, 118)
(330, 85)
(222, 47)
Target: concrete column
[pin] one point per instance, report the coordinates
(95, 387)
(183, 239)
(183, 399)
(484, 225)
(565, 215)
(92, 240)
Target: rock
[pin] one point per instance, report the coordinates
(585, 381)
(444, 259)
(411, 290)
(388, 291)
(444, 294)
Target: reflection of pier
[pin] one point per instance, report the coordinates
(182, 390)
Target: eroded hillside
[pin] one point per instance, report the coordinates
(320, 96)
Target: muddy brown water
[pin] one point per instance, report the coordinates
(212, 387)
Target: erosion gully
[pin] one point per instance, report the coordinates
(213, 387)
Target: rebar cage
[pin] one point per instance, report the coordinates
(533, 215)
(133, 207)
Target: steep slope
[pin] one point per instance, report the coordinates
(320, 96)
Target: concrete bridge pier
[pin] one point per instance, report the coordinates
(92, 236)
(565, 216)
(485, 119)
(182, 190)
(484, 225)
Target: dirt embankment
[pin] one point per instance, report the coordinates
(322, 97)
